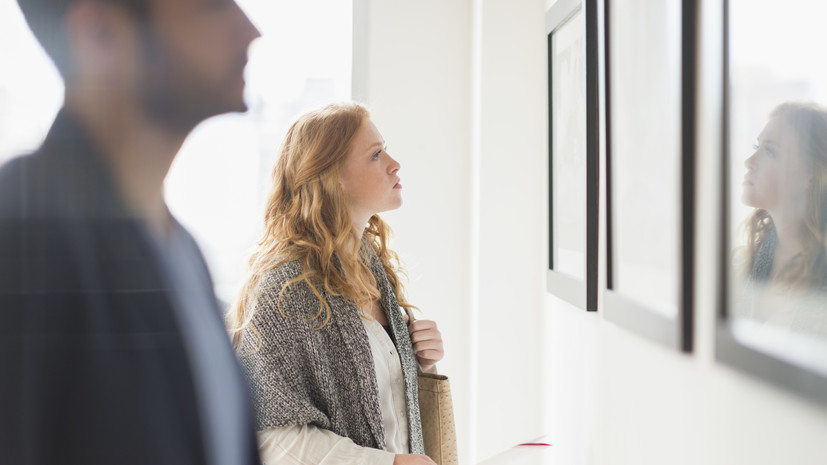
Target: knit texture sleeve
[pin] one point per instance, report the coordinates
(279, 351)
(301, 372)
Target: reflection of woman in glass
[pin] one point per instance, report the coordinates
(786, 182)
(330, 384)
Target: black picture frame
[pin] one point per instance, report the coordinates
(582, 290)
(674, 329)
(786, 369)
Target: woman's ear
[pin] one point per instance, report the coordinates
(342, 183)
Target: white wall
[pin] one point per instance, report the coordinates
(648, 404)
(412, 67)
(439, 79)
(508, 229)
(458, 90)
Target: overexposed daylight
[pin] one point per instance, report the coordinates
(218, 183)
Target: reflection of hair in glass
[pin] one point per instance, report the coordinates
(808, 123)
(307, 219)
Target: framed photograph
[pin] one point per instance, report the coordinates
(772, 321)
(650, 112)
(573, 94)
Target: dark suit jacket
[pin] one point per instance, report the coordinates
(93, 368)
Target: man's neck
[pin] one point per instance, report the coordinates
(137, 150)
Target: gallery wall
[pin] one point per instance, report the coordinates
(462, 87)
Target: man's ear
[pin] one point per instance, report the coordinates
(97, 34)
(89, 20)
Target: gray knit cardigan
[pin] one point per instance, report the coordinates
(325, 377)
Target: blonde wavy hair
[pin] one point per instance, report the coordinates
(307, 218)
(808, 121)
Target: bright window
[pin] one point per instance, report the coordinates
(218, 183)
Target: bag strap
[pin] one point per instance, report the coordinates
(411, 318)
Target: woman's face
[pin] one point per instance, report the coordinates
(777, 175)
(369, 175)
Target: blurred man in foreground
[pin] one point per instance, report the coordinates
(112, 347)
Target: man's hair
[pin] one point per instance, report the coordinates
(47, 20)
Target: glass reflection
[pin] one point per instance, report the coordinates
(568, 80)
(646, 79)
(780, 266)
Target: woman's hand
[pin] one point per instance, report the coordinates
(427, 343)
(412, 459)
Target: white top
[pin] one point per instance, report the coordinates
(391, 387)
(311, 445)
(308, 444)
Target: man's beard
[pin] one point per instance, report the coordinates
(173, 94)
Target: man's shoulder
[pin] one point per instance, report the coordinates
(14, 166)
(16, 176)
(66, 177)
(44, 185)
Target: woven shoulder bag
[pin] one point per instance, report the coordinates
(436, 410)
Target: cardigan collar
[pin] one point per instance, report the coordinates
(355, 338)
(405, 351)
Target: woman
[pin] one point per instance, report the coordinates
(786, 182)
(330, 384)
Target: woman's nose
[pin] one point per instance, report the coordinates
(394, 165)
(750, 162)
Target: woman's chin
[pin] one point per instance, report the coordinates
(747, 200)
